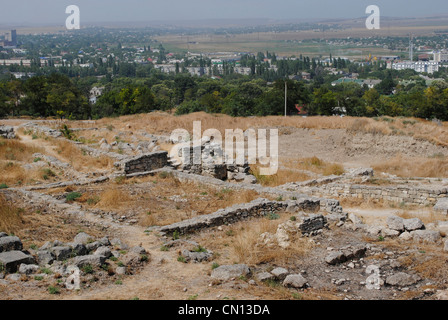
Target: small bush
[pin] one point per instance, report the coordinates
(181, 259)
(53, 290)
(73, 196)
(199, 249)
(87, 269)
(3, 186)
(38, 278)
(46, 271)
(66, 132)
(93, 201)
(165, 174)
(273, 216)
(176, 235)
(215, 265)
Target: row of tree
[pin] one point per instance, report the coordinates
(58, 95)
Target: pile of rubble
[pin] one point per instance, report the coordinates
(7, 132)
(84, 254)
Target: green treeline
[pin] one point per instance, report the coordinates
(57, 95)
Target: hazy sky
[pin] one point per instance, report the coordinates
(53, 11)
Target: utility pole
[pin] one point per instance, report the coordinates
(286, 93)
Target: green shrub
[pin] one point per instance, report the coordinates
(273, 216)
(53, 290)
(87, 269)
(215, 265)
(3, 186)
(199, 249)
(93, 201)
(73, 196)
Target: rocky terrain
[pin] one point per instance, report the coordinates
(96, 219)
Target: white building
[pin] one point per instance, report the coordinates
(418, 66)
(242, 70)
(441, 56)
(95, 92)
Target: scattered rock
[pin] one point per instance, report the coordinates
(61, 253)
(138, 250)
(406, 236)
(335, 257)
(386, 232)
(8, 243)
(413, 224)
(196, 256)
(354, 218)
(45, 257)
(83, 238)
(426, 235)
(28, 268)
(402, 279)
(280, 273)
(295, 281)
(120, 270)
(228, 272)
(264, 276)
(11, 260)
(93, 246)
(103, 251)
(395, 223)
(442, 205)
(119, 244)
(93, 260)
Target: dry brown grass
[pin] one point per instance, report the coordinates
(245, 247)
(70, 153)
(435, 167)
(161, 199)
(427, 217)
(296, 171)
(114, 197)
(281, 177)
(14, 150)
(316, 165)
(10, 217)
(165, 123)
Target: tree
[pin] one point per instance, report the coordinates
(372, 100)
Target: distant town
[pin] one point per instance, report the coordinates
(103, 62)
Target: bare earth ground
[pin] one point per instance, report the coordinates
(124, 209)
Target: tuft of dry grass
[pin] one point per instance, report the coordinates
(246, 249)
(69, 152)
(14, 150)
(434, 167)
(297, 170)
(113, 197)
(10, 216)
(281, 177)
(316, 165)
(427, 217)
